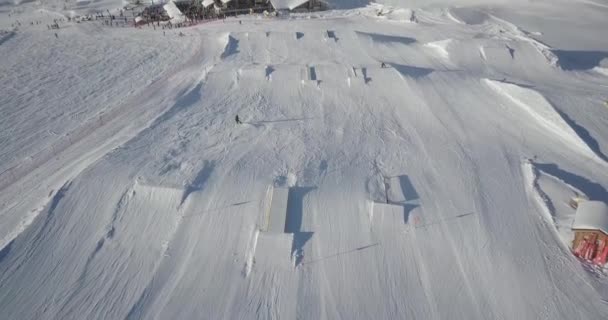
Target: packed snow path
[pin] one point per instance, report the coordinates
(156, 206)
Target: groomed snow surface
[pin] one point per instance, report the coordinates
(436, 186)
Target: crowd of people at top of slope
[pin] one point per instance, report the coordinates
(138, 16)
(108, 19)
(121, 19)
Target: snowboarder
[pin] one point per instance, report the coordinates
(56, 36)
(383, 65)
(238, 121)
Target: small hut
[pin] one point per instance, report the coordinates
(590, 229)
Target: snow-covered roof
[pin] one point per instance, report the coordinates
(287, 4)
(207, 3)
(174, 13)
(591, 215)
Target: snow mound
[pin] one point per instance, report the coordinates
(554, 197)
(231, 45)
(391, 13)
(468, 16)
(504, 29)
(504, 56)
(601, 70)
(448, 13)
(441, 47)
(541, 110)
(385, 38)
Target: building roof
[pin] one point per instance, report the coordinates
(287, 4)
(591, 215)
(174, 13)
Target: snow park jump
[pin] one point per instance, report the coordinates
(436, 159)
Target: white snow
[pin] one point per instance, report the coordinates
(441, 47)
(591, 215)
(540, 109)
(603, 71)
(436, 186)
(553, 197)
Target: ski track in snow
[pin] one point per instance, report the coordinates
(162, 208)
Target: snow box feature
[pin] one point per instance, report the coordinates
(398, 206)
(283, 222)
(277, 213)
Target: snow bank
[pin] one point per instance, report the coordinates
(508, 29)
(391, 13)
(440, 47)
(540, 109)
(450, 15)
(553, 196)
(468, 16)
(600, 70)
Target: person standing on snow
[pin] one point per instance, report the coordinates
(238, 121)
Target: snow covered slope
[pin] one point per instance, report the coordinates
(429, 188)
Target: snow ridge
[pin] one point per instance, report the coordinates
(541, 110)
